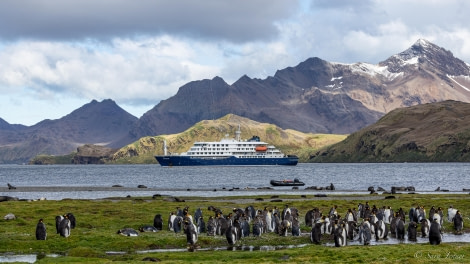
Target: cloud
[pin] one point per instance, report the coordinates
(127, 70)
(106, 19)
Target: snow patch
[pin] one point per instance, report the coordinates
(332, 86)
(423, 42)
(407, 59)
(452, 78)
(374, 70)
(336, 78)
(411, 61)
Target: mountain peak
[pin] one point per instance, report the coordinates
(422, 42)
(423, 52)
(421, 49)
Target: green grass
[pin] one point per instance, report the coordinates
(99, 220)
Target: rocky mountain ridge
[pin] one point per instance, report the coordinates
(315, 96)
(319, 96)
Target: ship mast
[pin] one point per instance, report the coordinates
(164, 148)
(238, 133)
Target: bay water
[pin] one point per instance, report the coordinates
(216, 181)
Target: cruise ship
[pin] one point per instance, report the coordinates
(229, 152)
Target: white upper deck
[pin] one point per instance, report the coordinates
(252, 148)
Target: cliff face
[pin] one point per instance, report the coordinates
(92, 154)
(86, 154)
(437, 132)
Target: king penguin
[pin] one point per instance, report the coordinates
(435, 233)
(73, 222)
(41, 230)
(64, 227)
(158, 222)
(58, 219)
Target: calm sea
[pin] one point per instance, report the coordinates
(216, 181)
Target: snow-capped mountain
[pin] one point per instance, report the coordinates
(423, 73)
(428, 55)
(315, 96)
(319, 96)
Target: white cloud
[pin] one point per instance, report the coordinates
(139, 70)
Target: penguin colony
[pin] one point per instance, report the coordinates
(361, 224)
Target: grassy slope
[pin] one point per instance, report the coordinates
(99, 220)
(289, 141)
(437, 132)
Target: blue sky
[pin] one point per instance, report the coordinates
(57, 55)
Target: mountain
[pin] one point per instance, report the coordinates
(437, 132)
(318, 96)
(315, 96)
(101, 123)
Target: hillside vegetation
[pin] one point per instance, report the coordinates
(289, 141)
(436, 132)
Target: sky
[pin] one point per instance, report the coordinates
(57, 55)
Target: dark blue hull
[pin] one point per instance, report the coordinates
(225, 161)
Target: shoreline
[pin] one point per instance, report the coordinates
(34, 193)
(224, 189)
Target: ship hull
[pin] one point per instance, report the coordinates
(225, 161)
